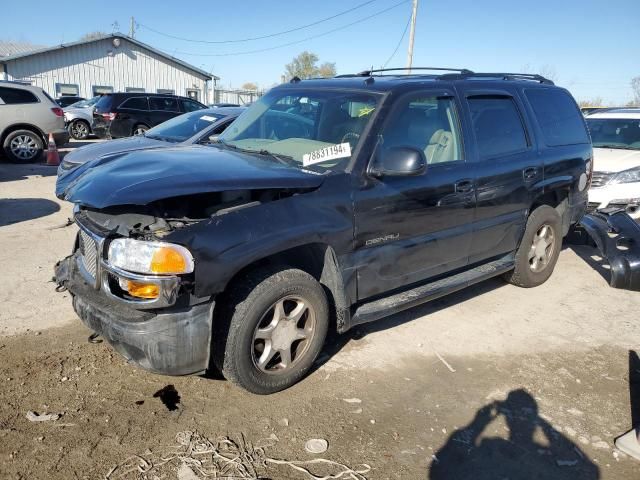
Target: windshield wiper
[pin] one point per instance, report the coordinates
(284, 159)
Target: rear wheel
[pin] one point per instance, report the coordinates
(23, 146)
(277, 321)
(539, 249)
(140, 129)
(79, 129)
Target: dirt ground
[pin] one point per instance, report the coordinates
(493, 382)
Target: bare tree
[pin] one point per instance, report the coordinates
(250, 86)
(305, 66)
(591, 102)
(635, 86)
(92, 36)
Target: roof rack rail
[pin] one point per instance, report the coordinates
(504, 76)
(367, 73)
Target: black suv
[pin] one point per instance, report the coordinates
(124, 114)
(328, 203)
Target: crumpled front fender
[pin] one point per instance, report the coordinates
(617, 236)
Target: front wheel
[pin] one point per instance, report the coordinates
(539, 249)
(23, 146)
(140, 129)
(79, 130)
(276, 322)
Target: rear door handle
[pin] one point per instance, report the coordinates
(464, 186)
(530, 173)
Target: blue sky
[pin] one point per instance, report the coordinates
(591, 46)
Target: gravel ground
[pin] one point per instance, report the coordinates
(492, 382)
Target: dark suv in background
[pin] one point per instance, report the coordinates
(125, 114)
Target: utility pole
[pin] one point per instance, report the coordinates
(412, 32)
(132, 28)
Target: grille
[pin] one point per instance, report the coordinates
(89, 252)
(599, 179)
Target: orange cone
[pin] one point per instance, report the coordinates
(53, 158)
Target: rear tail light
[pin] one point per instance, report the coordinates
(57, 111)
(589, 172)
(108, 116)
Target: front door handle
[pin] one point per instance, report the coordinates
(464, 186)
(530, 173)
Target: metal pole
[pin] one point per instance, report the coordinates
(132, 28)
(414, 14)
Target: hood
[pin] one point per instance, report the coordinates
(111, 147)
(142, 177)
(615, 159)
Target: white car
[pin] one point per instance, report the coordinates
(78, 118)
(616, 159)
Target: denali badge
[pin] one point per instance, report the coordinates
(386, 238)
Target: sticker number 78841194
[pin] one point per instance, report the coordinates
(332, 152)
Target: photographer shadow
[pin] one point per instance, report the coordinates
(532, 449)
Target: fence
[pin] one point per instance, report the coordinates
(240, 97)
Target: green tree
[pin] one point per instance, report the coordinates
(305, 66)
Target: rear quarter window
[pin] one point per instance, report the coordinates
(558, 116)
(13, 96)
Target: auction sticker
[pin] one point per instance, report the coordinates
(208, 118)
(332, 152)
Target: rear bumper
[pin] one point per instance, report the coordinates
(171, 341)
(617, 236)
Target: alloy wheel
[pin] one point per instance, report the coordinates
(24, 147)
(283, 335)
(542, 248)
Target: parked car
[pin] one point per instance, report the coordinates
(616, 160)
(218, 105)
(27, 116)
(124, 114)
(199, 127)
(67, 100)
(389, 191)
(78, 118)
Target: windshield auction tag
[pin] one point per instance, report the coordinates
(208, 118)
(332, 152)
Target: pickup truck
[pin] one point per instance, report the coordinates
(327, 204)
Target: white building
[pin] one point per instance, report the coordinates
(111, 63)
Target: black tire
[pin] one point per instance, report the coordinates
(525, 274)
(79, 129)
(246, 306)
(32, 150)
(139, 129)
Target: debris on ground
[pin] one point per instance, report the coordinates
(352, 400)
(45, 417)
(316, 445)
(195, 457)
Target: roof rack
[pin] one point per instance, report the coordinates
(504, 76)
(367, 73)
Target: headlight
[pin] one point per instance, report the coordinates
(149, 257)
(627, 176)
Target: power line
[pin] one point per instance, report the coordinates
(247, 52)
(404, 32)
(263, 36)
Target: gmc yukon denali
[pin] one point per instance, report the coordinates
(327, 204)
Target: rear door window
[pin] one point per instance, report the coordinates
(104, 104)
(497, 125)
(163, 104)
(12, 96)
(136, 103)
(558, 116)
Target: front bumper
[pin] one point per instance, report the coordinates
(617, 236)
(172, 341)
(624, 195)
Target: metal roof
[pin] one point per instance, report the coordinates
(41, 50)
(11, 48)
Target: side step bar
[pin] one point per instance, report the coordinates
(377, 309)
(617, 236)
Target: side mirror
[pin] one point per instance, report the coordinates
(399, 162)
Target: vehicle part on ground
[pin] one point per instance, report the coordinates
(617, 236)
(79, 129)
(539, 248)
(275, 321)
(23, 146)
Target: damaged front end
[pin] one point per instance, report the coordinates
(617, 236)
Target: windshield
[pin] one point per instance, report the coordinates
(304, 127)
(621, 133)
(85, 103)
(182, 127)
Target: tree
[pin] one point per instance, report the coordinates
(250, 86)
(92, 36)
(591, 102)
(635, 86)
(305, 66)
